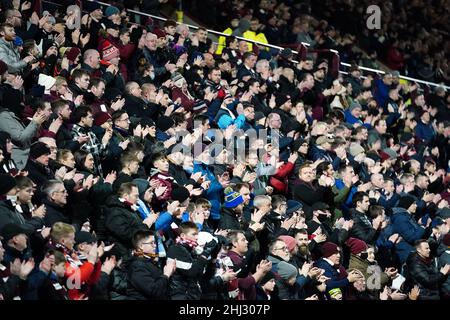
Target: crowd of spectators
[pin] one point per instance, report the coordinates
(115, 181)
(412, 38)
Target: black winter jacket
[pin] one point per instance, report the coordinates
(184, 284)
(146, 280)
(121, 222)
(425, 274)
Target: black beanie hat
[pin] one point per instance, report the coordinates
(267, 277)
(180, 194)
(406, 202)
(281, 99)
(6, 184)
(38, 149)
(164, 123)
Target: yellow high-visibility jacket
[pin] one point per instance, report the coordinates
(252, 35)
(222, 41)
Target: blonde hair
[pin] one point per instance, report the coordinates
(61, 230)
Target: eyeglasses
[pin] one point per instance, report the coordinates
(126, 119)
(282, 248)
(61, 191)
(150, 242)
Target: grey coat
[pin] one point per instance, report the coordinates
(11, 56)
(21, 136)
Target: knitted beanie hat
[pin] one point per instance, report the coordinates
(328, 249)
(232, 198)
(109, 51)
(289, 241)
(286, 270)
(356, 245)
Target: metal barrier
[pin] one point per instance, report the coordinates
(346, 65)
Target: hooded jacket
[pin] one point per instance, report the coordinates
(404, 224)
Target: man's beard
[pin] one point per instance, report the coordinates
(9, 38)
(303, 250)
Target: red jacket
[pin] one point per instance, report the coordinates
(279, 181)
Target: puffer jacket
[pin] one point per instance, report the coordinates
(404, 224)
(11, 56)
(146, 280)
(21, 136)
(122, 221)
(426, 275)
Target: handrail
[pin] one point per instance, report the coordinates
(275, 47)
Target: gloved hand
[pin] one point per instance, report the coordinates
(210, 249)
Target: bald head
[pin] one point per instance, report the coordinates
(91, 57)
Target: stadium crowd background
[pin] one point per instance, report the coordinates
(347, 199)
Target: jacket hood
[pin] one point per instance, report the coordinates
(396, 210)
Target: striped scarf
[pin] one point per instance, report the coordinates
(186, 242)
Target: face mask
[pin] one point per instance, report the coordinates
(364, 255)
(152, 75)
(11, 198)
(189, 169)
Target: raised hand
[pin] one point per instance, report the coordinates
(109, 264)
(25, 268)
(150, 220)
(170, 267)
(159, 191)
(257, 215)
(39, 212)
(414, 293)
(118, 104)
(111, 177)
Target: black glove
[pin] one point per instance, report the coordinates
(210, 248)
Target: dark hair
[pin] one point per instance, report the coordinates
(80, 157)
(117, 114)
(140, 235)
(186, 226)
(78, 73)
(95, 81)
(375, 211)
(58, 105)
(229, 40)
(23, 182)
(322, 167)
(247, 55)
(80, 112)
(178, 118)
(358, 197)
(157, 156)
(277, 199)
(201, 117)
(301, 231)
(417, 243)
(125, 188)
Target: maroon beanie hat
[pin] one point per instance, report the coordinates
(328, 249)
(356, 245)
(72, 53)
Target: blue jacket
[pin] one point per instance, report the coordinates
(215, 190)
(333, 274)
(425, 132)
(381, 92)
(404, 224)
